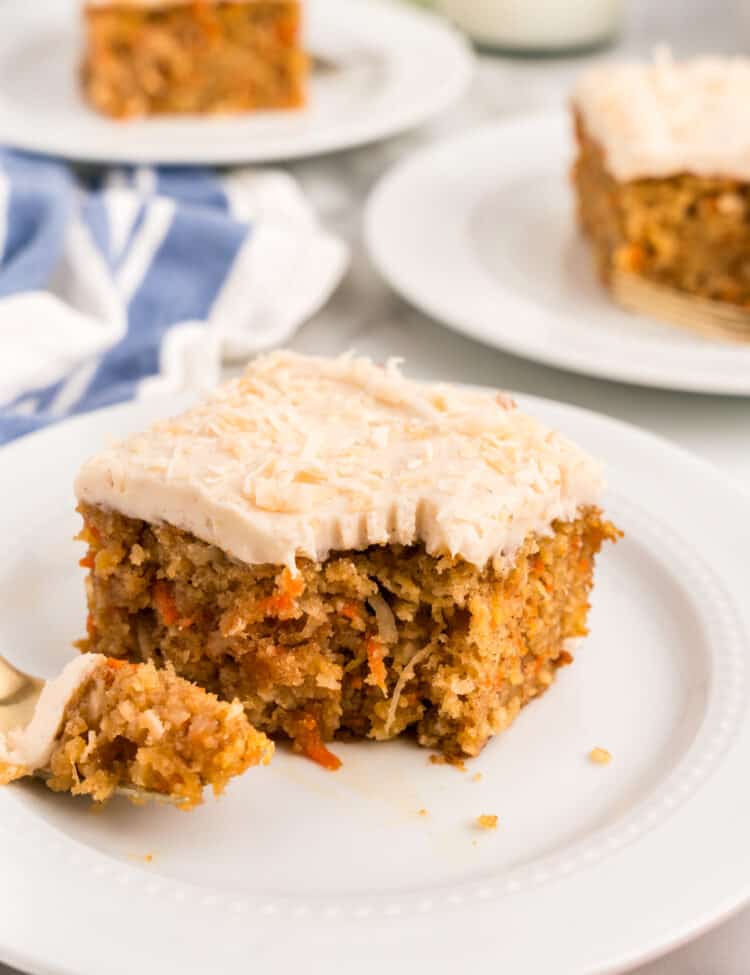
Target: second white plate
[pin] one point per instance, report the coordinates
(391, 67)
(479, 232)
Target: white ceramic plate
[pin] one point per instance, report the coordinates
(591, 868)
(394, 67)
(479, 232)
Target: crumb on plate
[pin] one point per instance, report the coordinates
(487, 821)
(457, 763)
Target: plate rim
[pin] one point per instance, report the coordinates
(431, 102)
(378, 238)
(730, 902)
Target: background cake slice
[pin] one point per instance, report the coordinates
(347, 552)
(662, 176)
(147, 57)
(106, 724)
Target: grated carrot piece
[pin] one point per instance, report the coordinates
(375, 655)
(283, 602)
(114, 663)
(308, 740)
(290, 585)
(165, 604)
(350, 611)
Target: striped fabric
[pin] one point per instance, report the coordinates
(142, 280)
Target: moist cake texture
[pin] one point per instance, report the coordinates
(347, 552)
(151, 57)
(106, 724)
(662, 175)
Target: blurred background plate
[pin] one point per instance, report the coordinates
(380, 68)
(480, 233)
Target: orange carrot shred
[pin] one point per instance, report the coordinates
(87, 562)
(308, 739)
(291, 586)
(375, 655)
(165, 603)
(282, 602)
(115, 664)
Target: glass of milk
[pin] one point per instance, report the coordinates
(536, 26)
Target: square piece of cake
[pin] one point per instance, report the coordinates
(154, 57)
(662, 176)
(347, 552)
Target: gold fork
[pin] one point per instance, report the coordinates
(713, 319)
(19, 693)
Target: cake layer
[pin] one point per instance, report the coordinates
(305, 456)
(368, 643)
(667, 118)
(686, 232)
(150, 58)
(159, 4)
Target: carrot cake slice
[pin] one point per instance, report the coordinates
(106, 725)
(662, 176)
(347, 552)
(151, 57)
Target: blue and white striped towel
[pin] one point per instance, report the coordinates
(143, 279)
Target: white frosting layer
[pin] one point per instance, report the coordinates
(31, 747)
(302, 456)
(664, 118)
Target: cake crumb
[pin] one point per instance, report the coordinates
(457, 763)
(476, 777)
(487, 821)
(422, 812)
(137, 554)
(600, 756)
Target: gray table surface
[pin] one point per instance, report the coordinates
(366, 315)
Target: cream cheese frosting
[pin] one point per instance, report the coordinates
(303, 455)
(662, 118)
(31, 747)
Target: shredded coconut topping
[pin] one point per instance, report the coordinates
(662, 118)
(302, 456)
